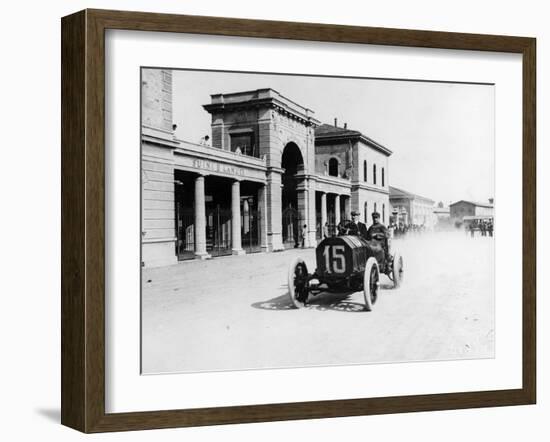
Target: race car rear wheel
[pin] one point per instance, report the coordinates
(371, 283)
(298, 281)
(397, 270)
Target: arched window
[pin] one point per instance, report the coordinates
(375, 207)
(383, 177)
(365, 171)
(333, 167)
(374, 173)
(383, 205)
(366, 213)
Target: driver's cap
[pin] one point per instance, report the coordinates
(375, 215)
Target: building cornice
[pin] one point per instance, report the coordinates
(262, 98)
(358, 185)
(321, 140)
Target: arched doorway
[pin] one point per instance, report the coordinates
(293, 163)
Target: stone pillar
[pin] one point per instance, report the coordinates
(303, 202)
(312, 215)
(347, 207)
(337, 209)
(236, 245)
(262, 211)
(323, 209)
(200, 219)
(274, 203)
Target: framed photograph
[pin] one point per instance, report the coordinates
(267, 221)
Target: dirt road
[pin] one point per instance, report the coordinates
(234, 313)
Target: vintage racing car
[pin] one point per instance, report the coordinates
(345, 263)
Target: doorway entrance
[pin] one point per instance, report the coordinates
(292, 163)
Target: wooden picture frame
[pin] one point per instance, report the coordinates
(83, 220)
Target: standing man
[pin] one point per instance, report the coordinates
(304, 234)
(356, 227)
(325, 231)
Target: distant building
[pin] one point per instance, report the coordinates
(442, 217)
(442, 213)
(463, 208)
(409, 208)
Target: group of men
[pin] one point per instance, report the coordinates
(484, 226)
(376, 231)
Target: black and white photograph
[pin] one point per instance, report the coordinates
(293, 221)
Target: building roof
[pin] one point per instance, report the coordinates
(473, 203)
(400, 193)
(326, 133)
(260, 97)
(330, 130)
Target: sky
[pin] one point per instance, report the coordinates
(441, 134)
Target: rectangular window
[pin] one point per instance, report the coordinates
(374, 173)
(243, 143)
(383, 177)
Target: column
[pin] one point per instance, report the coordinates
(274, 203)
(347, 207)
(337, 209)
(262, 210)
(323, 209)
(236, 246)
(200, 220)
(312, 215)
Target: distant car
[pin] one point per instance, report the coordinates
(345, 263)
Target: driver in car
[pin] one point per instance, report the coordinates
(355, 227)
(378, 233)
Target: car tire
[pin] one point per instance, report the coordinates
(298, 282)
(371, 283)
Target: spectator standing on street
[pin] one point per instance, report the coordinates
(325, 231)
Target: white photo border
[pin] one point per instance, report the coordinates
(126, 390)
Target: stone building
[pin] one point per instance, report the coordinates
(158, 233)
(409, 208)
(463, 208)
(270, 169)
(352, 173)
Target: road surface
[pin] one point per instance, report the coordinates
(234, 313)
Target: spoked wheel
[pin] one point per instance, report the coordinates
(397, 271)
(298, 280)
(371, 283)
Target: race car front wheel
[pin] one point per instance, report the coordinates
(371, 283)
(298, 280)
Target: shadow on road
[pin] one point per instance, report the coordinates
(323, 302)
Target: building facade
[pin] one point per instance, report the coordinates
(352, 174)
(463, 208)
(270, 173)
(409, 208)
